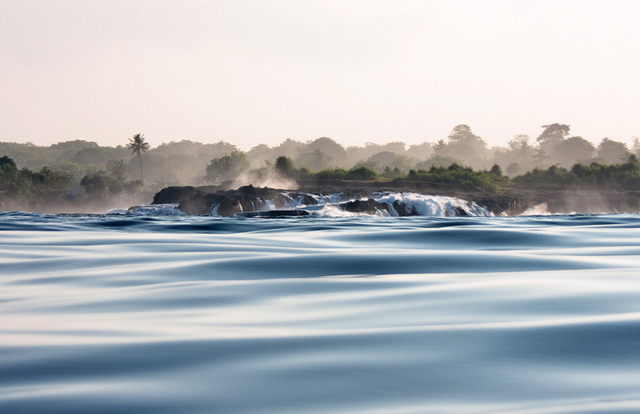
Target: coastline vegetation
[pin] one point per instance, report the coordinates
(80, 170)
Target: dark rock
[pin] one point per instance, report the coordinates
(199, 204)
(509, 201)
(304, 198)
(227, 203)
(403, 210)
(459, 212)
(369, 206)
(499, 204)
(274, 213)
(174, 195)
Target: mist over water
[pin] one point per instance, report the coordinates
(363, 314)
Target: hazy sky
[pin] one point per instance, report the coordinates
(251, 72)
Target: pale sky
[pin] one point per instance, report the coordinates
(251, 72)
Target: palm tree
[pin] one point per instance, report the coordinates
(137, 144)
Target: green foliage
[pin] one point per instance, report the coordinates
(100, 185)
(553, 176)
(392, 172)
(27, 185)
(435, 161)
(8, 170)
(137, 145)
(227, 167)
(284, 166)
(6, 162)
(456, 174)
(118, 168)
(331, 174)
(553, 133)
(354, 174)
(107, 169)
(362, 174)
(624, 176)
(40, 188)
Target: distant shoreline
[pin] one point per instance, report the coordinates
(511, 202)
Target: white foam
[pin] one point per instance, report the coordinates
(328, 206)
(116, 211)
(332, 210)
(542, 210)
(432, 205)
(156, 210)
(537, 210)
(329, 198)
(420, 204)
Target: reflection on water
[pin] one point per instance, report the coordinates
(357, 315)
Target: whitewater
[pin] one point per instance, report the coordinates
(160, 312)
(332, 205)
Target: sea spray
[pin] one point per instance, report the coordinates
(332, 205)
(432, 205)
(169, 209)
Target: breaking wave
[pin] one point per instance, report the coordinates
(411, 204)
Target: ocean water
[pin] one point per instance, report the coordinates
(180, 314)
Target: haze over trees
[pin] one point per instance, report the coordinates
(227, 167)
(86, 168)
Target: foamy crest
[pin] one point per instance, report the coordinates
(329, 205)
(270, 179)
(156, 210)
(537, 210)
(432, 205)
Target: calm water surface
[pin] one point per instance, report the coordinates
(105, 314)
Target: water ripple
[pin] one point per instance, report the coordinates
(352, 315)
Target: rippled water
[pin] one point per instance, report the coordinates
(128, 314)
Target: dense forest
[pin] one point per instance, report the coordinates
(80, 170)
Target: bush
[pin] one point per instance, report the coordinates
(362, 174)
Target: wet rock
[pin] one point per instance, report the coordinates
(403, 210)
(368, 206)
(174, 195)
(458, 212)
(274, 213)
(202, 200)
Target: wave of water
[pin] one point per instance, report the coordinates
(329, 205)
(179, 314)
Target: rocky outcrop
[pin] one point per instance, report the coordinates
(274, 213)
(514, 201)
(174, 195)
(368, 206)
(200, 201)
(249, 201)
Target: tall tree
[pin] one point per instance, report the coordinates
(553, 133)
(138, 145)
(464, 146)
(612, 152)
(573, 150)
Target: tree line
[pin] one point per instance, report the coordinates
(79, 168)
